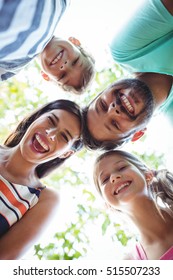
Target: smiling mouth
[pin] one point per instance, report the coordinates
(121, 188)
(127, 105)
(57, 58)
(39, 145)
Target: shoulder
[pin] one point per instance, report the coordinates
(49, 195)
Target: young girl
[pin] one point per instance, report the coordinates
(40, 143)
(144, 195)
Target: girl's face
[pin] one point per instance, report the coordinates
(119, 181)
(50, 136)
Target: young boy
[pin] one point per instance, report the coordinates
(26, 32)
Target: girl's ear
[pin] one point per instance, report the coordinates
(67, 154)
(45, 76)
(74, 41)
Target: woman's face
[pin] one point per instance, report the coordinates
(50, 136)
(119, 181)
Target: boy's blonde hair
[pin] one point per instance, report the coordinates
(88, 74)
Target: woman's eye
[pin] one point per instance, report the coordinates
(51, 121)
(65, 138)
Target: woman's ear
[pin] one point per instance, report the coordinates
(149, 176)
(138, 135)
(45, 76)
(67, 154)
(74, 41)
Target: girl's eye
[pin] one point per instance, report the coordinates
(105, 180)
(51, 121)
(62, 76)
(122, 168)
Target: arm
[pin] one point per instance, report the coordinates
(25, 232)
(151, 22)
(168, 5)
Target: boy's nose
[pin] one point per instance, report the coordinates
(114, 108)
(63, 65)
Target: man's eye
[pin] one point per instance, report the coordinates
(114, 123)
(103, 105)
(51, 121)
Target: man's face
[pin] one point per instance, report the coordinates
(116, 112)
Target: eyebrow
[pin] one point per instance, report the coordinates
(121, 160)
(66, 130)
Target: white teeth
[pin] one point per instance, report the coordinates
(58, 57)
(121, 187)
(127, 104)
(41, 142)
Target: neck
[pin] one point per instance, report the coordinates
(159, 84)
(16, 169)
(151, 224)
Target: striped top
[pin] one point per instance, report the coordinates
(26, 27)
(15, 200)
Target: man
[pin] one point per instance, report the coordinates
(144, 47)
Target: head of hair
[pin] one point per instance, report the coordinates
(160, 188)
(16, 136)
(88, 73)
(92, 143)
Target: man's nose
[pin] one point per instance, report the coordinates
(114, 108)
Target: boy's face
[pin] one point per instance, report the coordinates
(115, 113)
(63, 62)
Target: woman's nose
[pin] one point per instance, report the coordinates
(51, 133)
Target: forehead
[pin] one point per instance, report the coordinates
(109, 161)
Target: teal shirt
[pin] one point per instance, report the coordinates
(146, 44)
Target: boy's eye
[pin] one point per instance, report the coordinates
(122, 168)
(103, 105)
(75, 61)
(61, 77)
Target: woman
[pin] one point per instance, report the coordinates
(145, 196)
(40, 143)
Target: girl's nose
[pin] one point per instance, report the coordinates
(114, 177)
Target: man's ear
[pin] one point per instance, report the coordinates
(138, 135)
(67, 154)
(45, 76)
(74, 41)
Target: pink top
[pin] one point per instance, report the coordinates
(139, 253)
